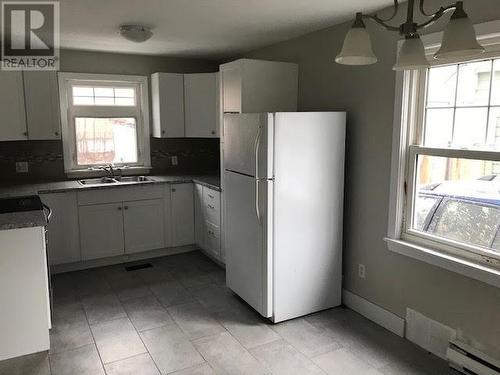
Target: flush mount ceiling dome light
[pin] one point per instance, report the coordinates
(459, 38)
(136, 33)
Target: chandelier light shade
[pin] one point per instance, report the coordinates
(459, 38)
(357, 47)
(411, 55)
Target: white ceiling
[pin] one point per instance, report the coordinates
(200, 28)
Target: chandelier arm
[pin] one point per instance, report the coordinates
(394, 13)
(434, 17)
(381, 22)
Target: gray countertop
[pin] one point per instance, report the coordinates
(210, 181)
(16, 220)
(26, 219)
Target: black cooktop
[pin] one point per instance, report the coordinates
(19, 204)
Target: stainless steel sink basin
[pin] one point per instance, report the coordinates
(134, 179)
(98, 181)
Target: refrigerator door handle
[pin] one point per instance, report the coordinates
(257, 147)
(257, 209)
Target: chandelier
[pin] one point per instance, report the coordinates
(459, 38)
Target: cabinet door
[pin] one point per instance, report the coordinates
(182, 214)
(143, 225)
(63, 236)
(12, 109)
(167, 228)
(42, 105)
(200, 105)
(212, 239)
(101, 230)
(199, 216)
(231, 89)
(168, 105)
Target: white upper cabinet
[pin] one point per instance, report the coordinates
(168, 105)
(42, 105)
(13, 123)
(185, 105)
(259, 86)
(200, 105)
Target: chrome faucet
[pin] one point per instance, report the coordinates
(109, 169)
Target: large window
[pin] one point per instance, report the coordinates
(105, 121)
(452, 179)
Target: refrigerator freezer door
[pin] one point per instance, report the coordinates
(247, 268)
(308, 203)
(246, 138)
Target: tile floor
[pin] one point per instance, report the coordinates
(178, 318)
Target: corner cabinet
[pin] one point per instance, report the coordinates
(63, 232)
(182, 214)
(201, 105)
(29, 104)
(185, 105)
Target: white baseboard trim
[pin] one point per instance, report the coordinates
(77, 266)
(375, 313)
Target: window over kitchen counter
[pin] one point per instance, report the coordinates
(445, 196)
(104, 121)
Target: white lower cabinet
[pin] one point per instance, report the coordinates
(208, 220)
(199, 216)
(63, 235)
(143, 225)
(182, 214)
(101, 230)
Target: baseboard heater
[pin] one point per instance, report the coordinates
(471, 361)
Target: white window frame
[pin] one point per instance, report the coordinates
(408, 119)
(69, 111)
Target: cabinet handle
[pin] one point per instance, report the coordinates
(25, 134)
(173, 190)
(212, 132)
(56, 133)
(120, 208)
(210, 196)
(126, 207)
(210, 206)
(163, 132)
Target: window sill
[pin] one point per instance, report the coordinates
(88, 173)
(458, 265)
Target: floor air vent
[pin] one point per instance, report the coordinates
(471, 361)
(136, 267)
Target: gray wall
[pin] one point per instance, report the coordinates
(392, 281)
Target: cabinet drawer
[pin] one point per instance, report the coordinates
(120, 194)
(211, 205)
(212, 238)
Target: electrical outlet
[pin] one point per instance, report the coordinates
(361, 271)
(173, 160)
(22, 167)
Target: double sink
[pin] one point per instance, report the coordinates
(115, 180)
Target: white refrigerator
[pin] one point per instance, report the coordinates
(284, 178)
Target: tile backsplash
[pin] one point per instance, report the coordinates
(45, 158)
